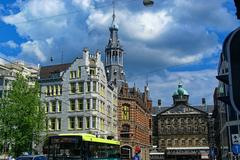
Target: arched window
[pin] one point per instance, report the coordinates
(125, 112)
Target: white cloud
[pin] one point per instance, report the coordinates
(145, 25)
(32, 48)
(10, 44)
(83, 4)
(199, 84)
(98, 19)
(168, 34)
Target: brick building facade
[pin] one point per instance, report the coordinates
(134, 121)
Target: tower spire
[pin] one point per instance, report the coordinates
(114, 25)
(113, 16)
(114, 55)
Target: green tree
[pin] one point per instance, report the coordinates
(21, 117)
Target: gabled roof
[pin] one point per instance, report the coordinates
(46, 71)
(182, 109)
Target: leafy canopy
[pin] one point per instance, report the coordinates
(21, 116)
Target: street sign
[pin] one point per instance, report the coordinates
(235, 139)
(236, 148)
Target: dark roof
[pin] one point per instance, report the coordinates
(46, 71)
(156, 110)
(207, 108)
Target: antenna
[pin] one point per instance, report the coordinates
(62, 57)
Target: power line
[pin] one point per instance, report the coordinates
(67, 13)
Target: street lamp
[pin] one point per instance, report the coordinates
(148, 3)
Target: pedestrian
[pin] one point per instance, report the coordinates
(137, 153)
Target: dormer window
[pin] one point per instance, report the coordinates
(73, 74)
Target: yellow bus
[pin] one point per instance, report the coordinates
(81, 147)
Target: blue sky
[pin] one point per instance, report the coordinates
(175, 40)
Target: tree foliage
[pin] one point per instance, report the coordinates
(21, 116)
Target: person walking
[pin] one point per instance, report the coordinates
(137, 153)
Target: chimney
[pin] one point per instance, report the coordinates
(159, 102)
(203, 101)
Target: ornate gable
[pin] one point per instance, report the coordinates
(182, 109)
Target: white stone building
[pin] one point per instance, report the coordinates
(9, 71)
(78, 98)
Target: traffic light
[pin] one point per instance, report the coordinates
(233, 57)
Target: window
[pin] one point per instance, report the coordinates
(197, 142)
(169, 142)
(101, 124)
(80, 122)
(125, 113)
(88, 86)
(73, 74)
(176, 142)
(80, 104)
(52, 90)
(72, 104)
(87, 122)
(53, 106)
(56, 90)
(94, 101)
(59, 124)
(79, 72)
(71, 123)
(80, 87)
(94, 119)
(92, 71)
(190, 142)
(48, 91)
(88, 104)
(1, 81)
(109, 110)
(102, 90)
(46, 107)
(59, 90)
(94, 86)
(52, 123)
(72, 88)
(59, 106)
